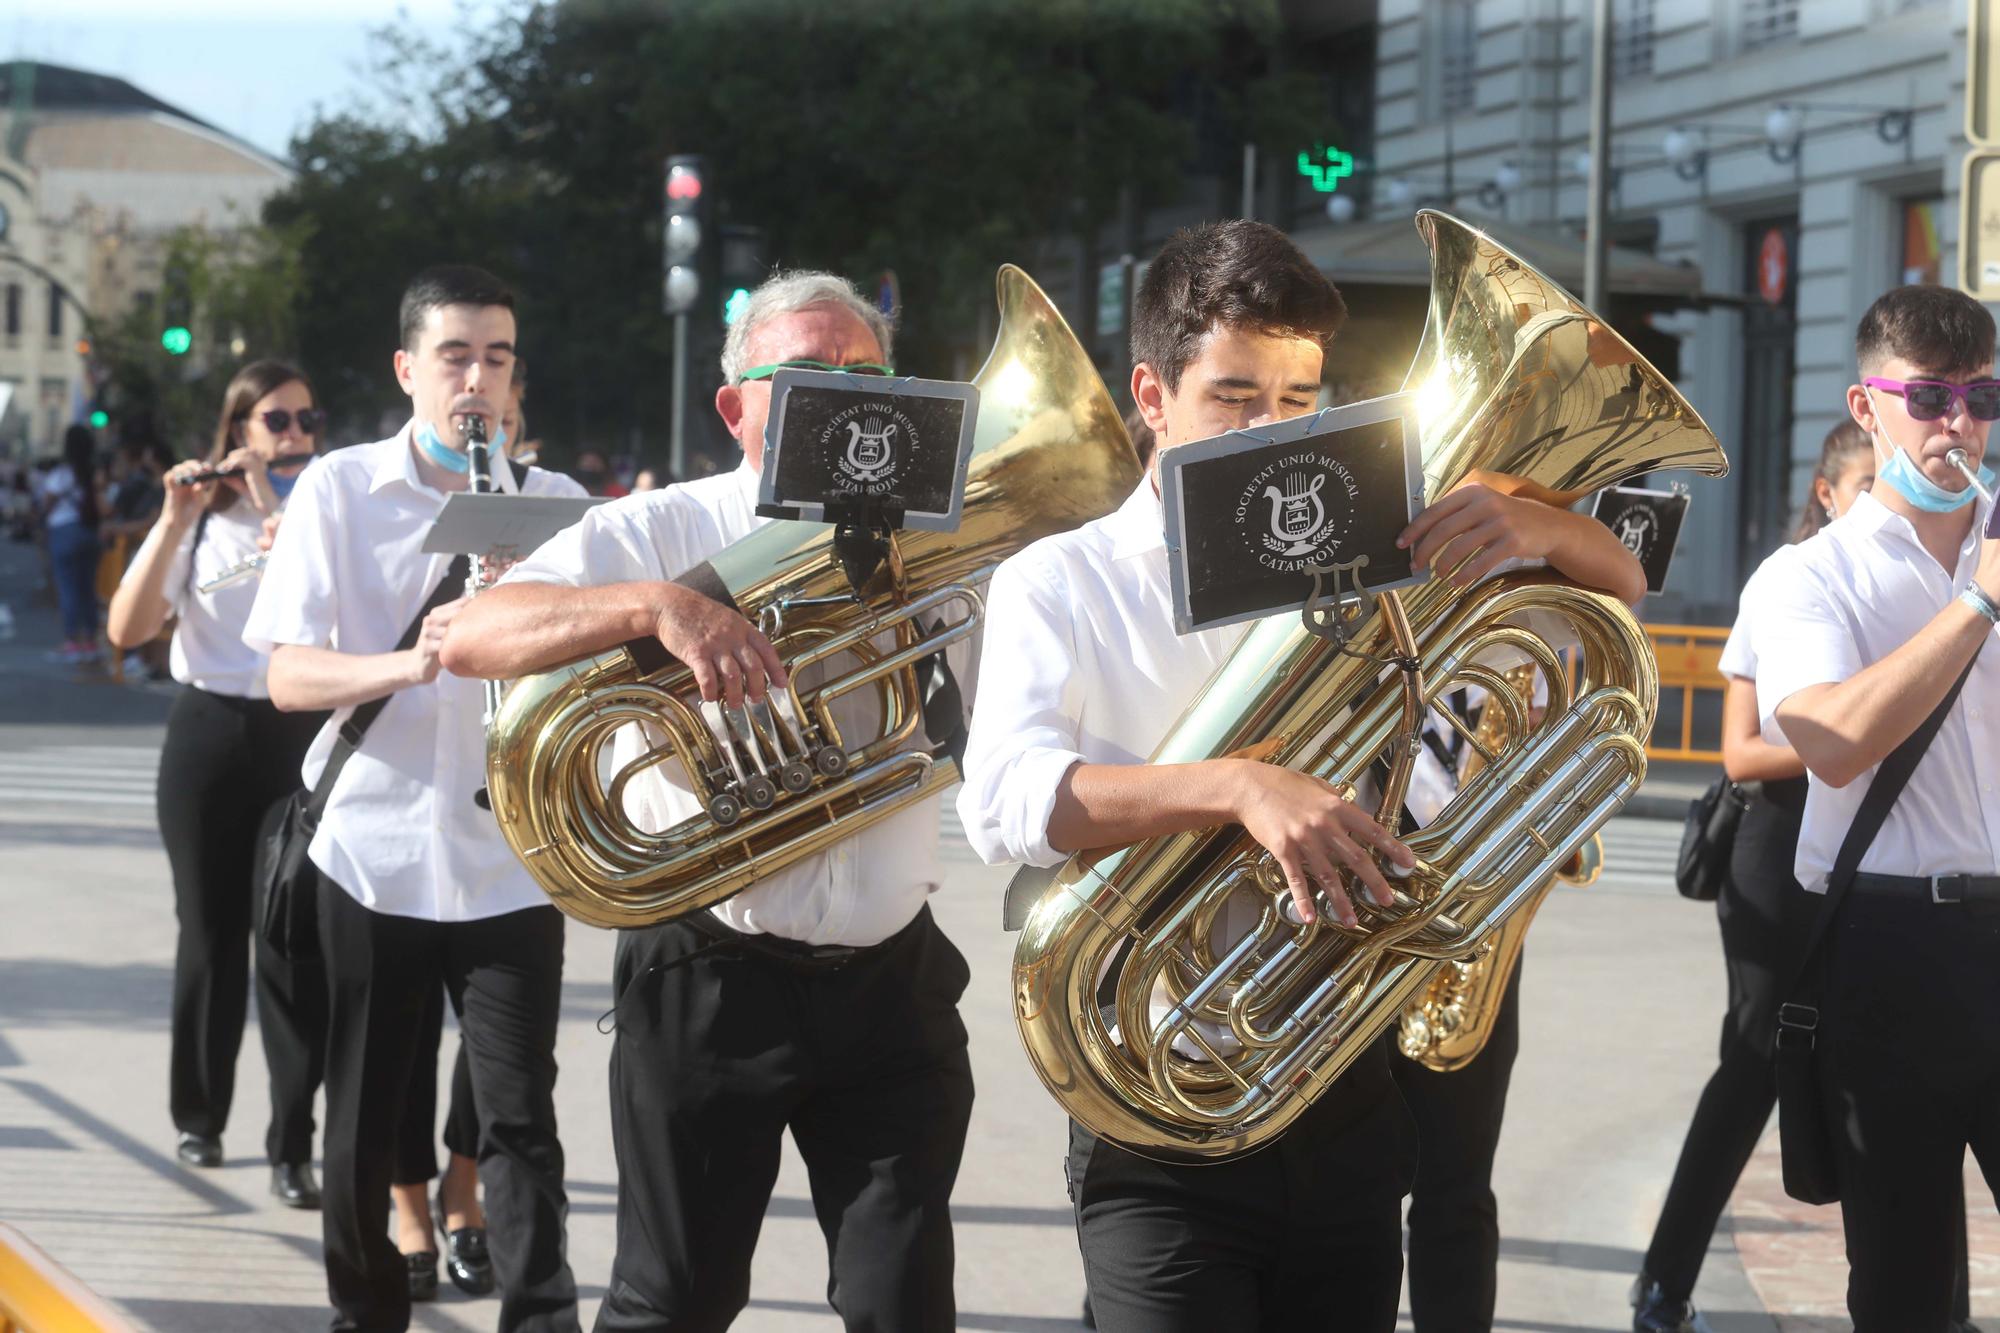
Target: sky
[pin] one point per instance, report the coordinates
(256, 68)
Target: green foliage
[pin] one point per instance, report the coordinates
(242, 285)
(937, 138)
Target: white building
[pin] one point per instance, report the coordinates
(94, 176)
(1804, 154)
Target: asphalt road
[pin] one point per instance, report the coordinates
(1622, 997)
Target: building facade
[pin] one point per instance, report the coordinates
(1804, 155)
(95, 176)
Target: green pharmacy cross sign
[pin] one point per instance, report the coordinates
(1325, 168)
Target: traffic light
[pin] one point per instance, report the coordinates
(681, 236)
(743, 268)
(99, 419)
(177, 311)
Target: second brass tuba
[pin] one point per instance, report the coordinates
(1163, 994)
(779, 780)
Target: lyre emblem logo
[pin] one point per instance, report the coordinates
(869, 453)
(1634, 529)
(1297, 515)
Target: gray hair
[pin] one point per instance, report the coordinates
(788, 293)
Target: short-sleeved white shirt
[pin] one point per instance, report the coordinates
(1853, 594)
(208, 651)
(1739, 650)
(858, 892)
(403, 834)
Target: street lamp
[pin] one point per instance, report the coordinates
(1340, 208)
(1784, 126)
(1400, 193)
(1685, 153)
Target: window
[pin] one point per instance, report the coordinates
(55, 309)
(1922, 254)
(1765, 22)
(1458, 55)
(1631, 37)
(13, 310)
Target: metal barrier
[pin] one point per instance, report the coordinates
(39, 1295)
(1688, 656)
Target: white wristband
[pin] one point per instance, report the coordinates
(1975, 597)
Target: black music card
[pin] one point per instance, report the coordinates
(1250, 514)
(1648, 523)
(854, 447)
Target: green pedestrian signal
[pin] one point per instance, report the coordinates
(733, 308)
(99, 420)
(177, 340)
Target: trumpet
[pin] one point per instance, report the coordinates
(1958, 459)
(241, 572)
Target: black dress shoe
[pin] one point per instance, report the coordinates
(1653, 1311)
(423, 1275)
(293, 1185)
(199, 1150)
(466, 1257)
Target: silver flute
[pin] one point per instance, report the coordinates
(242, 572)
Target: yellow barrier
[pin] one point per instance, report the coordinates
(38, 1295)
(1688, 656)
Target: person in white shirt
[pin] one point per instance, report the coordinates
(1882, 612)
(1082, 677)
(229, 754)
(418, 887)
(821, 1000)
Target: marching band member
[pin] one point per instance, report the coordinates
(419, 887)
(229, 753)
(1083, 679)
(824, 998)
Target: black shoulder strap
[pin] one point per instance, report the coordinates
(1890, 779)
(194, 547)
(363, 717)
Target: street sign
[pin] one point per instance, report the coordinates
(1982, 74)
(1979, 225)
(1111, 298)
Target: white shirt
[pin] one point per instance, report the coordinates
(1091, 672)
(1838, 603)
(1739, 650)
(208, 651)
(402, 834)
(63, 495)
(860, 891)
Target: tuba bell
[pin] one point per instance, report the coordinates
(778, 780)
(1160, 1030)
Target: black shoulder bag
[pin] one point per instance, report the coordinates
(1708, 838)
(284, 879)
(1805, 1139)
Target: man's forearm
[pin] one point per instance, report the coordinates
(304, 680)
(1843, 730)
(1109, 805)
(518, 628)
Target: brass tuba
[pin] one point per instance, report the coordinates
(1127, 964)
(1446, 1027)
(778, 781)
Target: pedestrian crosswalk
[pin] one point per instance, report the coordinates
(114, 778)
(1639, 855)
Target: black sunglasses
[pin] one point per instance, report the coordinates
(279, 420)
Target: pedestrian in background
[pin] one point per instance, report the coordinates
(71, 512)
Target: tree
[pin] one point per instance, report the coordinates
(936, 138)
(242, 291)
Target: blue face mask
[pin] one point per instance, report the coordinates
(282, 482)
(446, 457)
(1909, 481)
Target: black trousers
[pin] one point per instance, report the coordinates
(1764, 916)
(1304, 1234)
(719, 1050)
(416, 1138)
(224, 762)
(504, 975)
(1454, 1218)
(1909, 1058)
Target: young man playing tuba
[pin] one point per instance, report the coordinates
(1082, 678)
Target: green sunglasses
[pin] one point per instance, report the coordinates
(858, 368)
